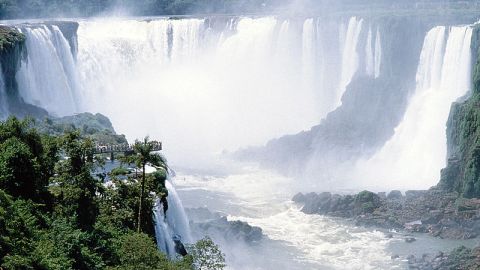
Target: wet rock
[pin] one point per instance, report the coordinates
(410, 239)
(299, 198)
(230, 230)
(395, 195)
(414, 194)
(382, 195)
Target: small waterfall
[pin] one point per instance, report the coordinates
(308, 51)
(350, 57)
(369, 55)
(378, 54)
(373, 53)
(176, 222)
(3, 97)
(415, 154)
(47, 78)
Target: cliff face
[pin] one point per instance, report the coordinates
(462, 173)
(371, 107)
(12, 50)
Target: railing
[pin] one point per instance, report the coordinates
(117, 148)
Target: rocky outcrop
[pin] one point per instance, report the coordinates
(370, 108)
(436, 212)
(203, 220)
(95, 126)
(462, 173)
(461, 258)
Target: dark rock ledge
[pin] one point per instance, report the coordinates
(439, 213)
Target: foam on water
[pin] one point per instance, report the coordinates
(264, 200)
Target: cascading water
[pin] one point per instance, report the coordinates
(262, 74)
(203, 86)
(350, 57)
(3, 97)
(415, 154)
(373, 54)
(378, 54)
(47, 78)
(176, 223)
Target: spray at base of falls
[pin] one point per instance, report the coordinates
(417, 152)
(175, 224)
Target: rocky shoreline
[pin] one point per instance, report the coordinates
(439, 213)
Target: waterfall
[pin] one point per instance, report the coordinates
(3, 97)
(350, 57)
(308, 52)
(274, 76)
(47, 78)
(378, 54)
(176, 222)
(369, 57)
(373, 54)
(415, 154)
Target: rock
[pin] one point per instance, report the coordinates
(410, 239)
(382, 195)
(366, 202)
(231, 230)
(299, 198)
(389, 235)
(414, 194)
(394, 256)
(395, 195)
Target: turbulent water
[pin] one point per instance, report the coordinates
(205, 86)
(294, 240)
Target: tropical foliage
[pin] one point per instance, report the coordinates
(56, 214)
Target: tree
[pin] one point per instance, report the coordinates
(144, 156)
(207, 255)
(27, 159)
(74, 187)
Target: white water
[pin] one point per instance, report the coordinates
(208, 90)
(264, 74)
(176, 222)
(3, 97)
(350, 57)
(373, 53)
(417, 152)
(47, 78)
(261, 198)
(378, 54)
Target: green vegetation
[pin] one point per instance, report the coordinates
(55, 214)
(367, 201)
(94, 126)
(462, 173)
(52, 8)
(207, 256)
(9, 37)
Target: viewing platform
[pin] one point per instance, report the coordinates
(122, 148)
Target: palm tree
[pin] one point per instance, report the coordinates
(143, 157)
